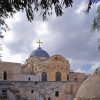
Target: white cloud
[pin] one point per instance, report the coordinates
(95, 66)
(79, 70)
(97, 4)
(81, 8)
(7, 56)
(41, 28)
(68, 35)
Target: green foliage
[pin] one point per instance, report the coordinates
(96, 25)
(96, 22)
(46, 7)
(98, 44)
(9, 7)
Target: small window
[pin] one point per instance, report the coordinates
(68, 77)
(49, 98)
(36, 83)
(32, 91)
(4, 94)
(56, 93)
(29, 78)
(5, 75)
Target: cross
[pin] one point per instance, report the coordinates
(39, 43)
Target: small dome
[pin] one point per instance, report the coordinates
(90, 89)
(39, 53)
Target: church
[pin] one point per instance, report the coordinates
(41, 77)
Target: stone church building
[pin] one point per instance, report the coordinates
(41, 77)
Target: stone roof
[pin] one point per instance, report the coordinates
(90, 89)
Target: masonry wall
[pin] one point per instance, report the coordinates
(10, 69)
(40, 90)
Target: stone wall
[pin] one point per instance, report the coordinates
(24, 90)
(10, 69)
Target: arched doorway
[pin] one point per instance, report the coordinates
(44, 76)
(58, 76)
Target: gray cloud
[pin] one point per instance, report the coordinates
(24, 34)
(69, 36)
(74, 39)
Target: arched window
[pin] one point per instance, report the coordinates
(58, 76)
(5, 75)
(44, 76)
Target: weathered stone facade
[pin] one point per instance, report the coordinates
(40, 90)
(41, 77)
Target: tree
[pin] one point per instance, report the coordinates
(96, 25)
(9, 7)
(96, 22)
(46, 7)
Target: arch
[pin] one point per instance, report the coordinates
(44, 76)
(58, 76)
(5, 75)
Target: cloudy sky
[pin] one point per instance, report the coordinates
(69, 35)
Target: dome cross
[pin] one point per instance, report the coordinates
(39, 42)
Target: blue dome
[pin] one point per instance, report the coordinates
(39, 53)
